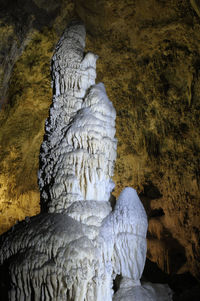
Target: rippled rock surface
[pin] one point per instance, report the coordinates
(77, 246)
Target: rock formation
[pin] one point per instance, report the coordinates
(77, 246)
(79, 148)
(149, 64)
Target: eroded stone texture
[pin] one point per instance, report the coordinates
(57, 255)
(75, 249)
(150, 65)
(79, 149)
(154, 83)
(27, 102)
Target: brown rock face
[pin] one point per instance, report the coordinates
(150, 59)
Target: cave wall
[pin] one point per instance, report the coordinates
(150, 58)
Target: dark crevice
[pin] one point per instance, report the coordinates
(151, 191)
(156, 213)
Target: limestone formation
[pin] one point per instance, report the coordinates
(77, 246)
(79, 148)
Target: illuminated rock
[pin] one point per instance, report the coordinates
(127, 226)
(79, 148)
(58, 252)
(130, 290)
(75, 248)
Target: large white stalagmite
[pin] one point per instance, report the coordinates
(75, 248)
(78, 153)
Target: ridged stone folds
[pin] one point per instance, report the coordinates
(75, 248)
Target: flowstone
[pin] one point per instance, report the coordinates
(77, 246)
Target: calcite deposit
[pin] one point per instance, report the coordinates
(77, 246)
(149, 63)
(79, 148)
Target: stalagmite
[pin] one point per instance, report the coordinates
(76, 247)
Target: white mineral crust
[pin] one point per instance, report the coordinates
(75, 248)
